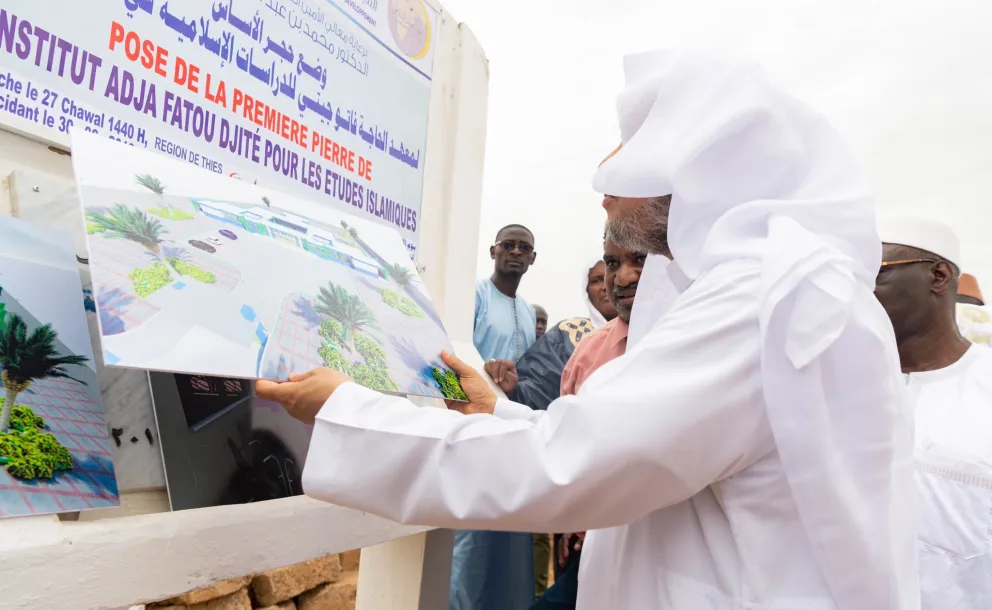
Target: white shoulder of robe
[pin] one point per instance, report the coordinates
(682, 410)
(506, 409)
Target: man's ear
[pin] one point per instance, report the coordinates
(492, 252)
(944, 278)
(533, 257)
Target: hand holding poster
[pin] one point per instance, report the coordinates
(324, 100)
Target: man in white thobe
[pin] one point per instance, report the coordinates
(950, 389)
(751, 449)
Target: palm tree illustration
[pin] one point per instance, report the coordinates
(346, 309)
(267, 202)
(27, 358)
(131, 224)
(353, 232)
(400, 275)
(154, 185)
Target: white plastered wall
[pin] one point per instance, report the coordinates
(139, 552)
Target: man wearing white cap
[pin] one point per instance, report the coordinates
(950, 390)
(751, 448)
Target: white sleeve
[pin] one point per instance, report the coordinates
(681, 411)
(507, 409)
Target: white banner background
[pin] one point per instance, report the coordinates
(324, 100)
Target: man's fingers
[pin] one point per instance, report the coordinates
(301, 376)
(505, 367)
(491, 368)
(497, 369)
(456, 364)
(270, 390)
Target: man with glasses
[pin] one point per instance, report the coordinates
(950, 395)
(505, 325)
(495, 570)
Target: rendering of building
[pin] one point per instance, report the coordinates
(292, 230)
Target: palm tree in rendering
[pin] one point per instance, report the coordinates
(154, 185)
(346, 309)
(350, 230)
(151, 183)
(131, 224)
(267, 202)
(27, 358)
(400, 276)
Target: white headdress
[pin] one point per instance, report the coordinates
(754, 173)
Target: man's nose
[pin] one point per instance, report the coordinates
(628, 275)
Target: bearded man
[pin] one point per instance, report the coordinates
(751, 448)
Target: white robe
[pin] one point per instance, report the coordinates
(953, 408)
(669, 447)
(975, 323)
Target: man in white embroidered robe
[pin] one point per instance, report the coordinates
(751, 448)
(950, 390)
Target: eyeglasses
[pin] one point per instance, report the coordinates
(909, 261)
(510, 245)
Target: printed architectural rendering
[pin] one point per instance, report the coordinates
(54, 446)
(224, 288)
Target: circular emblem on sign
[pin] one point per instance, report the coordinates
(410, 26)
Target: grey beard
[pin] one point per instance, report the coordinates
(643, 230)
(623, 313)
(623, 310)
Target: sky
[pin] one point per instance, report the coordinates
(907, 82)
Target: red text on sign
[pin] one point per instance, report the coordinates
(152, 56)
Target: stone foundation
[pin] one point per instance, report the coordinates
(326, 583)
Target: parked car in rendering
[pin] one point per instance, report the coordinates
(196, 243)
(228, 234)
(214, 241)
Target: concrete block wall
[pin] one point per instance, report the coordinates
(325, 583)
